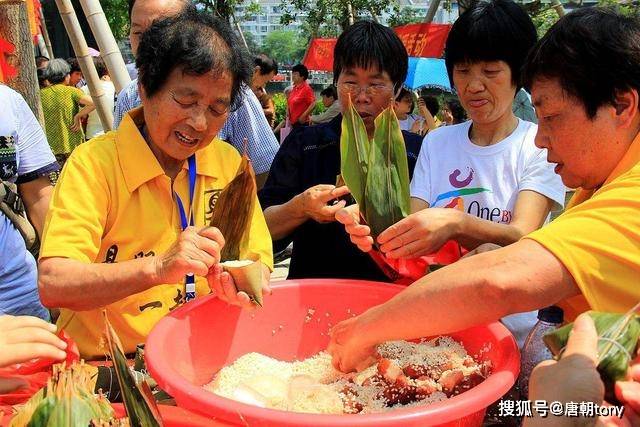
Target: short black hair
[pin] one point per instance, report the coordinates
(101, 67)
(329, 92)
(491, 30)
(302, 70)
(403, 93)
(40, 59)
(267, 65)
(457, 111)
(74, 64)
(593, 52)
(368, 44)
(195, 42)
(432, 104)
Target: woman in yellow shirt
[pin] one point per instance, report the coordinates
(127, 226)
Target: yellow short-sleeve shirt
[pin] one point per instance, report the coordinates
(114, 203)
(598, 240)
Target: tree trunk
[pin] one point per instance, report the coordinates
(223, 10)
(350, 17)
(14, 28)
(89, 72)
(109, 50)
(431, 13)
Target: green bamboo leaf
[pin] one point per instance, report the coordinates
(387, 185)
(354, 153)
(618, 337)
(141, 409)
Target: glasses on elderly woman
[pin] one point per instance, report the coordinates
(216, 110)
(354, 89)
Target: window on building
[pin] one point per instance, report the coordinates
(263, 29)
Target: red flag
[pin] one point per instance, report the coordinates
(7, 71)
(424, 40)
(319, 56)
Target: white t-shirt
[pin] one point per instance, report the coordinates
(94, 126)
(408, 122)
(485, 181)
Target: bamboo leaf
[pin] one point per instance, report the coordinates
(387, 182)
(234, 209)
(354, 153)
(141, 409)
(618, 337)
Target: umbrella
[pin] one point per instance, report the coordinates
(427, 72)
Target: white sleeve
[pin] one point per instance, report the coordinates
(33, 149)
(421, 181)
(538, 176)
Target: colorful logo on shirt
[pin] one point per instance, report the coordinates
(460, 184)
(8, 158)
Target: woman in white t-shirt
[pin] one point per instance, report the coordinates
(404, 106)
(484, 180)
(94, 125)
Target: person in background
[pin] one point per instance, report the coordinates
(246, 122)
(75, 75)
(42, 62)
(94, 126)
(64, 107)
(453, 112)
(404, 110)
(585, 85)
(428, 107)
(27, 161)
(301, 101)
(95, 255)
(332, 105)
(300, 197)
(264, 70)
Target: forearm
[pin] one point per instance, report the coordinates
(283, 219)
(75, 285)
(84, 111)
(474, 231)
(431, 123)
(473, 291)
(305, 115)
(36, 195)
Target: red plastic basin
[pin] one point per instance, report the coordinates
(187, 348)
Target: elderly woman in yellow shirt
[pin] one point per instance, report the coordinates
(127, 227)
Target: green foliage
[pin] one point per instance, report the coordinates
(319, 108)
(285, 46)
(280, 102)
(404, 16)
(252, 44)
(544, 20)
(117, 13)
(626, 7)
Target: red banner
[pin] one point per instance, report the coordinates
(319, 56)
(420, 40)
(6, 70)
(424, 40)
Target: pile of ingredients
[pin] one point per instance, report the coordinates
(406, 374)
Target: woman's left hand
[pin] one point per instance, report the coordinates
(77, 122)
(421, 233)
(224, 287)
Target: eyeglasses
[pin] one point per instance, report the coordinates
(216, 110)
(354, 89)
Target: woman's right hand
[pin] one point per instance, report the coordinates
(314, 202)
(359, 234)
(195, 252)
(23, 338)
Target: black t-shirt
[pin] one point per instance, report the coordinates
(310, 156)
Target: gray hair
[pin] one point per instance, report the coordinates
(57, 70)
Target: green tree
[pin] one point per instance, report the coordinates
(285, 46)
(117, 13)
(252, 44)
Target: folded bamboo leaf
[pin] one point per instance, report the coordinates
(140, 406)
(387, 185)
(234, 209)
(247, 276)
(354, 153)
(618, 338)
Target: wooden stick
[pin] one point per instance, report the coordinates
(89, 72)
(107, 43)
